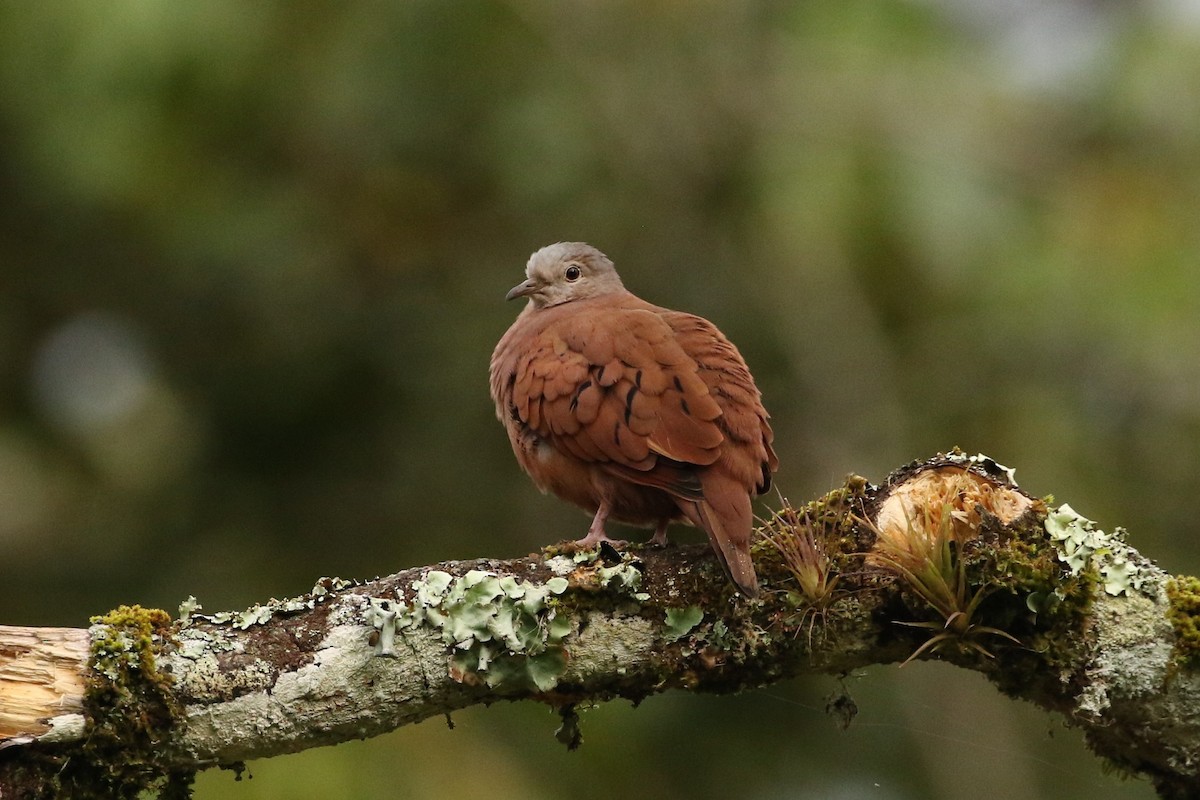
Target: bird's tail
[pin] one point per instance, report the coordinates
(725, 515)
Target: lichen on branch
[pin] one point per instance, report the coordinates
(947, 559)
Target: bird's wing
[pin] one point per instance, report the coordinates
(744, 422)
(614, 386)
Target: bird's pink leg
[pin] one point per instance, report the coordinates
(659, 539)
(596, 534)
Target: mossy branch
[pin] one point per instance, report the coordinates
(948, 559)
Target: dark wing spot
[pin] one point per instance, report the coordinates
(637, 379)
(629, 403)
(582, 388)
(765, 484)
(683, 404)
(617, 434)
(514, 413)
(678, 384)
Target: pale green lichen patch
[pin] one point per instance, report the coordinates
(260, 614)
(984, 462)
(623, 577)
(585, 570)
(382, 616)
(187, 608)
(504, 632)
(561, 565)
(1081, 545)
(327, 587)
(681, 621)
(721, 637)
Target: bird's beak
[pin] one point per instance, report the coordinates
(522, 289)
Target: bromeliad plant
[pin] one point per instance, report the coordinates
(791, 533)
(803, 546)
(927, 554)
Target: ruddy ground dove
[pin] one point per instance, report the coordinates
(634, 412)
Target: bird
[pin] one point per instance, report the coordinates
(631, 411)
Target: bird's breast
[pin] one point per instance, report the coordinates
(554, 471)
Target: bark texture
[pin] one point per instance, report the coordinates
(947, 559)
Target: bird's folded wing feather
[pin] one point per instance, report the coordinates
(616, 387)
(744, 422)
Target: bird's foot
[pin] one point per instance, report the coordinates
(659, 539)
(597, 537)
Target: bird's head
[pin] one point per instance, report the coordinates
(560, 273)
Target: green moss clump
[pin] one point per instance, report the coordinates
(1183, 595)
(835, 517)
(1034, 596)
(132, 719)
(132, 712)
(806, 551)
(124, 640)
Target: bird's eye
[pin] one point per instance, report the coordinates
(572, 273)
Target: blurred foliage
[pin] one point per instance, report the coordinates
(252, 261)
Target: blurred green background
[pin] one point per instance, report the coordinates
(252, 262)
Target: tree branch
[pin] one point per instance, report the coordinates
(947, 559)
